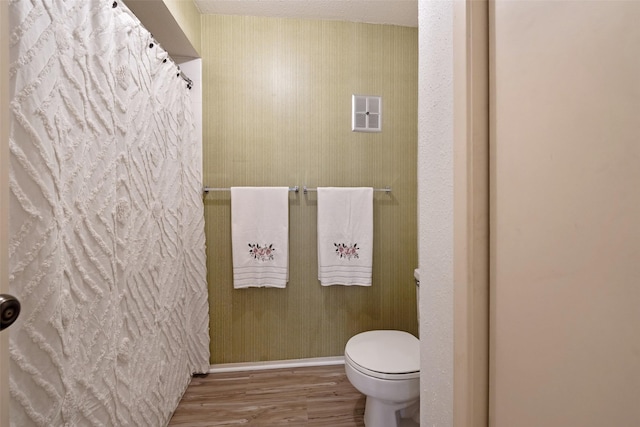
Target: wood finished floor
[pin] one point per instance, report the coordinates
(310, 396)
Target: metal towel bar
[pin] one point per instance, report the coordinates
(206, 190)
(387, 189)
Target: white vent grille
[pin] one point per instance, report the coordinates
(367, 113)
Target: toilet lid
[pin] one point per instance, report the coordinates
(390, 353)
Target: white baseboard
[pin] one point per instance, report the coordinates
(276, 364)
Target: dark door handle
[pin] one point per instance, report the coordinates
(9, 310)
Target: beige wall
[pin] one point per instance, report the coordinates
(276, 109)
(187, 16)
(565, 214)
(175, 24)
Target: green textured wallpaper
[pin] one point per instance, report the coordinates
(277, 112)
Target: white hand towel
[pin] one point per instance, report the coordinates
(260, 236)
(345, 236)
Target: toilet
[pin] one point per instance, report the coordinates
(384, 365)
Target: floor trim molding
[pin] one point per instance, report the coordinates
(276, 364)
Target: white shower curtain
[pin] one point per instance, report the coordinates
(106, 245)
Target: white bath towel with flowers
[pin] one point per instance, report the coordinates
(345, 235)
(260, 236)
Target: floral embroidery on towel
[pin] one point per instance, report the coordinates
(347, 251)
(261, 253)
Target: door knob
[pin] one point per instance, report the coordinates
(9, 310)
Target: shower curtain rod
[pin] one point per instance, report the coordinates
(181, 73)
(206, 190)
(186, 79)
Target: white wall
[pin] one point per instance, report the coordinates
(435, 210)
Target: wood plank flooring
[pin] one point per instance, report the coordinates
(310, 396)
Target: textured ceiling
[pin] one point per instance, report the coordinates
(394, 12)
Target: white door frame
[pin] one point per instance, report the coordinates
(453, 147)
(471, 213)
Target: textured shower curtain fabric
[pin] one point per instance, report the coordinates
(106, 245)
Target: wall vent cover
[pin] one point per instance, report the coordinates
(367, 113)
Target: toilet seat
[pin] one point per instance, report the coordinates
(389, 355)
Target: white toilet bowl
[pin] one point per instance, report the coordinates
(385, 367)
